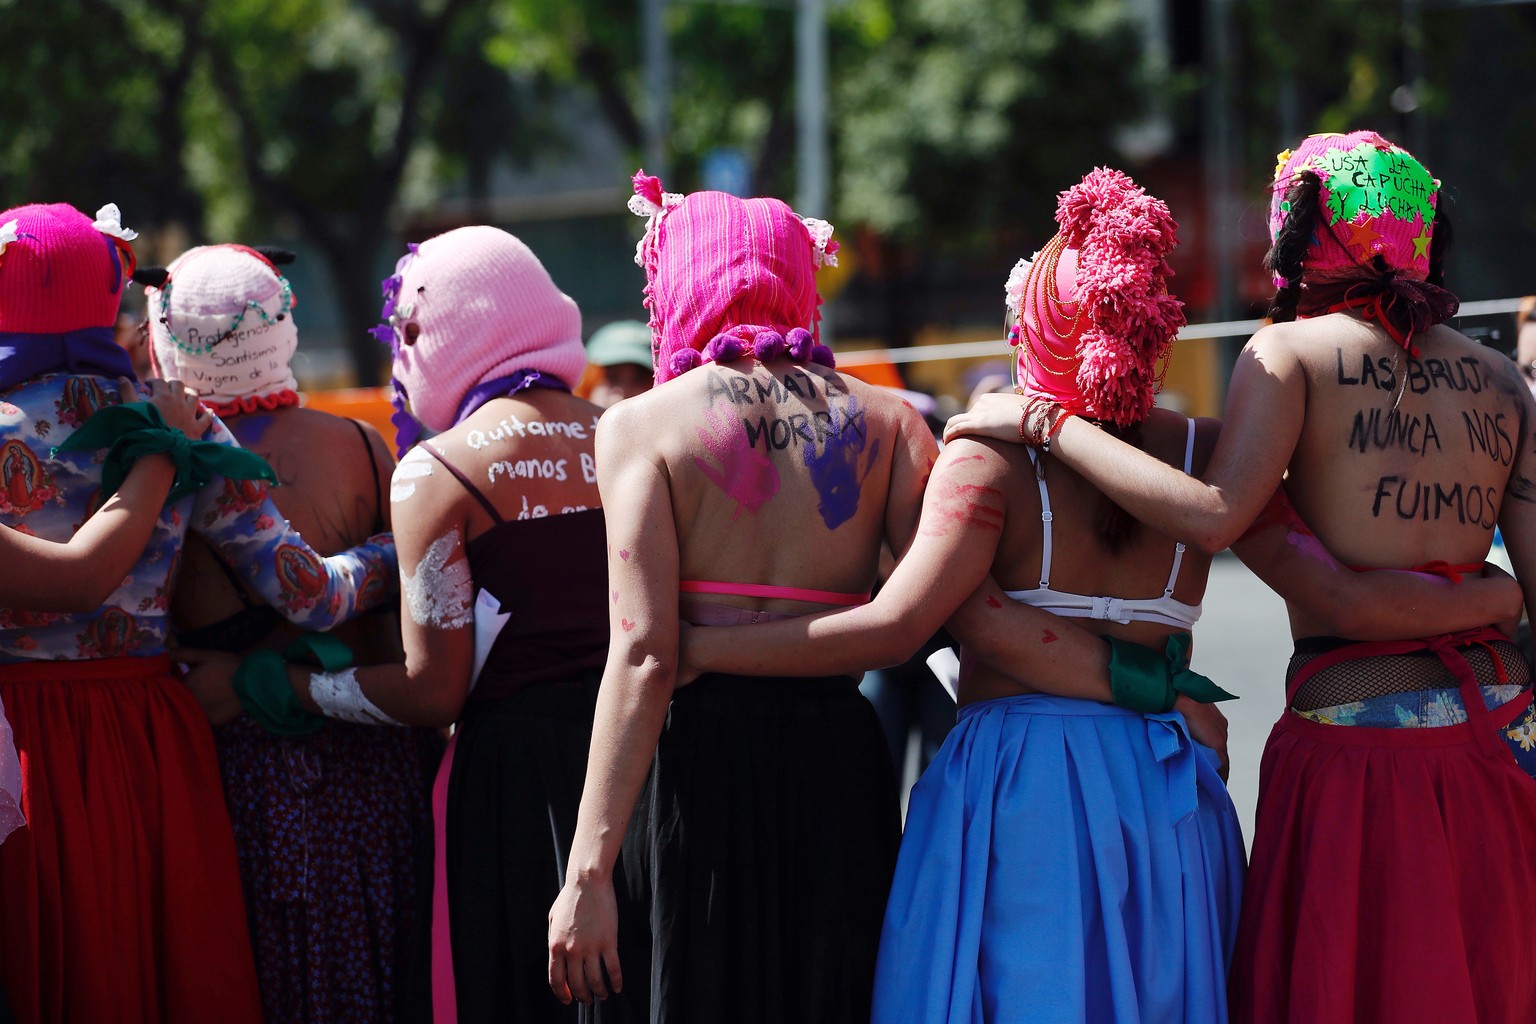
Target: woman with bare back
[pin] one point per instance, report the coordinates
(336, 899)
(500, 532)
(1391, 870)
(753, 482)
(1065, 858)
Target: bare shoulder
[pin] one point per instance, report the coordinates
(983, 459)
(641, 413)
(1282, 344)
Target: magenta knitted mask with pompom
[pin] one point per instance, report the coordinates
(728, 276)
(1094, 318)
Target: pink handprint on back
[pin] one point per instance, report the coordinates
(745, 474)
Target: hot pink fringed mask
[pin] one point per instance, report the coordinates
(1094, 319)
(726, 276)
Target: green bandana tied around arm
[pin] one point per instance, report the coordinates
(1147, 680)
(135, 429)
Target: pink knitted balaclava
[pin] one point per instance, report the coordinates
(59, 270)
(223, 324)
(1093, 318)
(470, 306)
(725, 276)
(1376, 200)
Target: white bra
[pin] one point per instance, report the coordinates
(1164, 609)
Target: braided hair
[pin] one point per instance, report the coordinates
(1285, 256)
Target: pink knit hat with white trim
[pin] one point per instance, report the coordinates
(736, 270)
(59, 271)
(483, 307)
(223, 323)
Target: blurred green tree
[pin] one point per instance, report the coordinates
(951, 119)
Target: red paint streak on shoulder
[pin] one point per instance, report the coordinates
(964, 505)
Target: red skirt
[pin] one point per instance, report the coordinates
(1393, 879)
(120, 900)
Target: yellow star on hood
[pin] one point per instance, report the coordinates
(1421, 244)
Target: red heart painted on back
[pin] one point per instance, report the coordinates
(626, 624)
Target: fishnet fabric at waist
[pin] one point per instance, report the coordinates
(1380, 675)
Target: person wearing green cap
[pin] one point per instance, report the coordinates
(618, 362)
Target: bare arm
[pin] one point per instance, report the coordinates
(80, 574)
(1517, 519)
(1266, 403)
(963, 514)
(631, 707)
(1383, 605)
(436, 622)
(1046, 652)
(962, 519)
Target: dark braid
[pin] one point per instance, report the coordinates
(1440, 245)
(1290, 249)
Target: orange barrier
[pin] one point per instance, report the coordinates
(371, 405)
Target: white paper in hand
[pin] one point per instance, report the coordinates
(944, 663)
(489, 619)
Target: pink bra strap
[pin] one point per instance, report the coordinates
(769, 590)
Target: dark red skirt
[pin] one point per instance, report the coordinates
(1393, 879)
(120, 900)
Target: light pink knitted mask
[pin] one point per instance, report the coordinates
(719, 265)
(482, 306)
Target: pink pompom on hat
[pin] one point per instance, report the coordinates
(60, 271)
(1093, 317)
(470, 306)
(223, 323)
(1376, 200)
(727, 276)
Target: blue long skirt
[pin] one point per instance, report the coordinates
(1064, 861)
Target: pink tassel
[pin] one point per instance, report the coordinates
(647, 187)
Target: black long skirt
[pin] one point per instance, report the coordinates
(767, 837)
(513, 795)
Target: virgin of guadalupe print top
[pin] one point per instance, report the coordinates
(52, 497)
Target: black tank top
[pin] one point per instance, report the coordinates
(551, 575)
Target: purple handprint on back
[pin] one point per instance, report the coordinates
(837, 472)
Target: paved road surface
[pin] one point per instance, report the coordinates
(1243, 642)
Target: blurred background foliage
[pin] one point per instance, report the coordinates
(351, 126)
